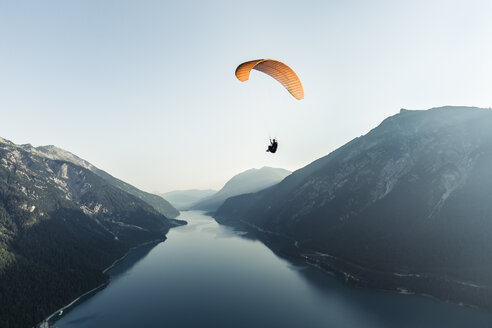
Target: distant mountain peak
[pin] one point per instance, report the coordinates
(184, 199)
(249, 181)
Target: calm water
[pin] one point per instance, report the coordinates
(208, 275)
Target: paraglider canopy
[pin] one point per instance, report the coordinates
(278, 70)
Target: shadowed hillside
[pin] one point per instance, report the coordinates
(406, 205)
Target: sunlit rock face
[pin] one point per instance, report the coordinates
(41, 185)
(412, 195)
(157, 202)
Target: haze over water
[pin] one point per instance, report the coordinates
(208, 275)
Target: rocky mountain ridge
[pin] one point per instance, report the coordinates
(55, 153)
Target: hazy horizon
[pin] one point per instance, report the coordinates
(146, 90)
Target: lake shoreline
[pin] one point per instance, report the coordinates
(429, 286)
(51, 319)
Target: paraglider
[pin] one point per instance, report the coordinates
(276, 69)
(273, 146)
(280, 72)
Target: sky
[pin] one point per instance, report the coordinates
(146, 91)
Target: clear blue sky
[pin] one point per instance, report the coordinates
(146, 89)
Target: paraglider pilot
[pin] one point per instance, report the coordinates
(273, 146)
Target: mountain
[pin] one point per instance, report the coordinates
(52, 152)
(405, 207)
(60, 226)
(183, 199)
(246, 182)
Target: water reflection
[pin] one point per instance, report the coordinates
(377, 308)
(131, 259)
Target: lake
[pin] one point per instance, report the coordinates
(209, 275)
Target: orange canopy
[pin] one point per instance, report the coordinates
(278, 70)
